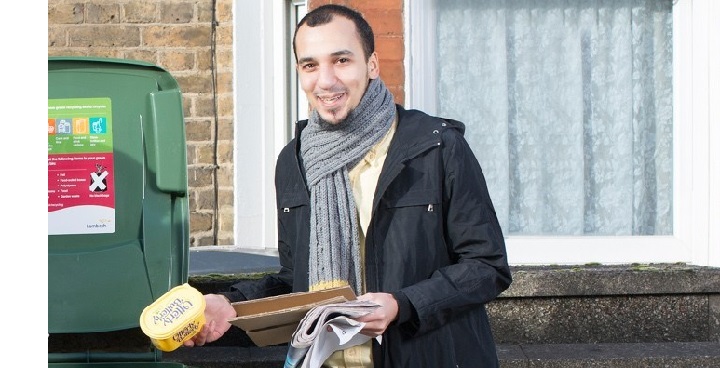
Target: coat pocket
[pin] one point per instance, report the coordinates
(287, 202)
(424, 197)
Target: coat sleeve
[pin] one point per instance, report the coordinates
(269, 285)
(479, 269)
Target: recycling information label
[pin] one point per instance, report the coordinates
(81, 185)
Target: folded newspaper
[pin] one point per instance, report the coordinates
(325, 329)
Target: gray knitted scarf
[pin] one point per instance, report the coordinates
(329, 151)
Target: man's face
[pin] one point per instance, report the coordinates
(332, 68)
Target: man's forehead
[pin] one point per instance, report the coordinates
(339, 31)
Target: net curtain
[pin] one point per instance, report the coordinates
(569, 110)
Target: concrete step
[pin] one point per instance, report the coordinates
(623, 355)
(608, 304)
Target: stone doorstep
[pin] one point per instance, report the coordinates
(598, 280)
(608, 304)
(630, 355)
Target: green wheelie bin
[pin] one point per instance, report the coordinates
(118, 221)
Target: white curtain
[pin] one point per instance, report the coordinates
(568, 107)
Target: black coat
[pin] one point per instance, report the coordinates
(434, 242)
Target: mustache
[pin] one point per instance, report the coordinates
(329, 91)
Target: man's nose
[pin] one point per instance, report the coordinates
(326, 77)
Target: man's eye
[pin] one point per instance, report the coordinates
(343, 60)
(308, 66)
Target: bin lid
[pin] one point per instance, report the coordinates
(118, 222)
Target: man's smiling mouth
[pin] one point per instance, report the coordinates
(330, 99)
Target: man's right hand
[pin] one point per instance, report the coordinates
(217, 313)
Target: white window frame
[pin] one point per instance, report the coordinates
(298, 100)
(260, 118)
(696, 186)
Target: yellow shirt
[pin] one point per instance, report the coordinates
(363, 178)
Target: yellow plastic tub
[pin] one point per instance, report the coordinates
(174, 318)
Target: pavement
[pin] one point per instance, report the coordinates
(230, 260)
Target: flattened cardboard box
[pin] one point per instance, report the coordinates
(272, 320)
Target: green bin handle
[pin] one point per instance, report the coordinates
(168, 125)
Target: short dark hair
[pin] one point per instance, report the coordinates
(324, 14)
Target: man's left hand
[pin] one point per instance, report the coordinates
(376, 322)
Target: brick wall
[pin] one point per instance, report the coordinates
(178, 36)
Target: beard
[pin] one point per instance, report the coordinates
(337, 124)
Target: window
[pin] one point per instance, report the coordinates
(572, 109)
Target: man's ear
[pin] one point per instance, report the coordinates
(373, 66)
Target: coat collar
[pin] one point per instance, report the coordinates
(416, 132)
(414, 127)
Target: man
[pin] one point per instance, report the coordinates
(390, 201)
